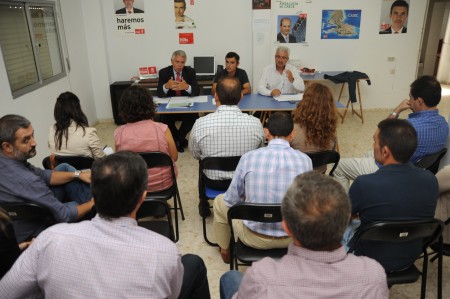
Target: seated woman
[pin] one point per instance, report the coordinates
(9, 249)
(71, 134)
(142, 134)
(315, 121)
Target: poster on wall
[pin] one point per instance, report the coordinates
(186, 38)
(394, 16)
(182, 21)
(340, 24)
(292, 28)
(261, 4)
(130, 17)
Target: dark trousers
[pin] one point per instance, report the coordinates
(195, 283)
(187, 122)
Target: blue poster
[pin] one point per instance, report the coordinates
(340, 24)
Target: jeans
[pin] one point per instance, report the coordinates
(349, 233)
(76, 190)
(195, 282)
(229, 284)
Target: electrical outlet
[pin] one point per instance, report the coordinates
(391, 59)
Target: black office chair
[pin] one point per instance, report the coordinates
(149, 216)
(158, 159)
(428, 231)
(30, 212)
(431, 162)
(206, 193)
(325, 158)
(239, 252)
(79, 162)
(444, 250)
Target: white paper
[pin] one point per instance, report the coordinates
(157, 100)
(179, 102)
(108, 150)
(289, 97)
(199, 99)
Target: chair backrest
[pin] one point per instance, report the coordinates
(217, 163)
(157, 208)
(255, 212)
(399, 232)
(431, 162)
(79, 162)
(30, 212)
(324, 158)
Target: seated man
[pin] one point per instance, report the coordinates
(315, 212)
(232, 70)
(22, 182)
(225, 133)
(262, 176)
(281, 77)
(109, 256)
(432, 129)
(398, 191)
(174, 81)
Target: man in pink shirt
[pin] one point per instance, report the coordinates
(316, 211)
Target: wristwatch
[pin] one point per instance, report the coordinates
(77, 174)
(394, 114)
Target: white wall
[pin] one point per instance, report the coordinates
(99, 55)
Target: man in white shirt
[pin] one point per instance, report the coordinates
(281, 77)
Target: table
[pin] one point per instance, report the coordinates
(320, 77)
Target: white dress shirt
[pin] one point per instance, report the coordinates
(271, 79)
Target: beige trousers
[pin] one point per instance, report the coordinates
(222, 230)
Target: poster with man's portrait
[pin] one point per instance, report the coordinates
(261, 4)
(394, 16)
(182, 21)
(128, 7)
(292, 28)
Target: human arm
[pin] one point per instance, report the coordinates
(246, 88)
(177, 278)
(294, 77)
(404, 105)
(263, 84)
(84, 208)
(94, 143)
(213, 89)
(191, 79)
(443, 177)
(193, 143)
(236, 191)
(63, 177)
(164, 76)
(355, 197)
(173, 153)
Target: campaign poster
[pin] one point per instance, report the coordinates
(394, 17)
(340, 24)
(130, 17)
(182, 12)
(292, 28)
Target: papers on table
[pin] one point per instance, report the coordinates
(180, 102)
(289, 97)
(108, 150)
(199, 99)
(158, 101)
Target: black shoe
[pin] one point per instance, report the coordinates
(184, 143)
(204, 211)
(180, 148)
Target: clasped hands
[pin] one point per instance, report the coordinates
(176, 85)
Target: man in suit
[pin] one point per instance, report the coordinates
(398, 15)
(178, 80)
(129, 8)
(285, 28)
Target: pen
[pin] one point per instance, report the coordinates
(105, 147)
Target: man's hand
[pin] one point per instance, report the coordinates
(169, 84)
(402, 106)
(290, 76)
(85, 177)
(180, 85)
(275, 93)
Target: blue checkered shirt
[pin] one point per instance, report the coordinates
(263, 176)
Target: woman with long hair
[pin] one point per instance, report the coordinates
(71, 134)
(142, 134)
(315, 121)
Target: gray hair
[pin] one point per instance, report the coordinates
(283, 49)
(316, 210)
(179, 53)
(9, 125)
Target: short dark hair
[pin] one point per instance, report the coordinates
(281, 21)
(316, 209)
(233, 55)
(229, 91)
(427, 88)
(280, 124)
(9, 125)
(399, 136)
(117, 183)
(400, 3)
(136, 104)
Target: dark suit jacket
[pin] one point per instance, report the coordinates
(389, 30)
(280, 38)
(123, 11)
(188, 74)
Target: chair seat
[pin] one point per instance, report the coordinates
(249, 255)
(161, 195)
(212, 193)
(409, 275)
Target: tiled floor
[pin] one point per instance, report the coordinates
(354, 137)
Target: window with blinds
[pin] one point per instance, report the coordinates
(30, 45)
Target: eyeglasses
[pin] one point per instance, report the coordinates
(281, 57)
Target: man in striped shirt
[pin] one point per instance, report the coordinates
(262, 176)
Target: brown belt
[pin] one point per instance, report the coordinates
(268, 237)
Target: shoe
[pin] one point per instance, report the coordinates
(204, 211)
(184, 143)
(225, 254)
(180, 148)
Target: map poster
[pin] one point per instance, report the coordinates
(340, 24)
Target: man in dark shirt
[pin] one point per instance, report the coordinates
(232, 70)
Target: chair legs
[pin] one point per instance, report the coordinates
(205, 205)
